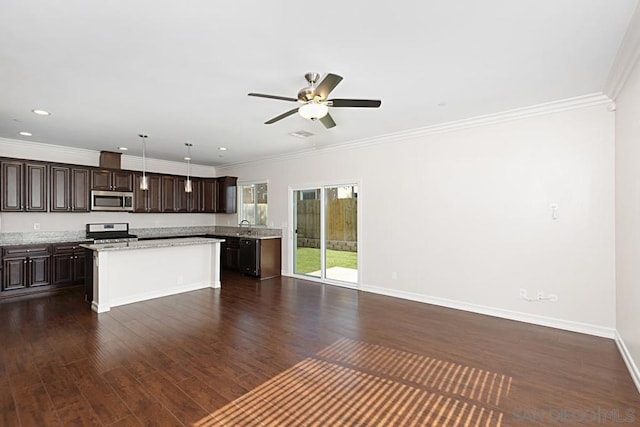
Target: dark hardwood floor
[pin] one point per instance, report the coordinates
(291, 352)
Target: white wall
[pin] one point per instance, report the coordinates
(24, 221)
(628, 217)
(464, 217)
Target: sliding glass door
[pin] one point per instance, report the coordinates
(326, 233)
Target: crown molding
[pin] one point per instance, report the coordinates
(574, 103)
(626, 58)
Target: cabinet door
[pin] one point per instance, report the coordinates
(79, 190)
(60, 191)
(79, 267)
(122, 181)
(193, 198)
(62, 267)
(39, 267)
(227, 191)
(154, 201)
(12, 197)
(14, 273)
(168, 193)
(101, 179)
(36, 186)
(139, 196)
(180, 195)
(209, 195)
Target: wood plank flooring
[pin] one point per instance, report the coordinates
(295, 353)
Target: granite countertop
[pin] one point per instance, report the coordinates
(246, 235)
(147, 244)
(52, 237)
(44, 238)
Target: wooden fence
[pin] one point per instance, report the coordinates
(342, 220)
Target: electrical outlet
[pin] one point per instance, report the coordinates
(540, 295)
(523, 293)
(36, 226)
(394, 276)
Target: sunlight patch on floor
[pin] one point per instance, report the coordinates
(355, 383)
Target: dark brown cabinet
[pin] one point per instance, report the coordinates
(69, 189)
(116, 180)
(209, 194)
(219, 195)
(230, 253)
(24, 186)
(227, 194)
(68, 264)
(31, 186)
(169, 193)
(149, 201)
(260, 257)
(25, 267)
(194, 198)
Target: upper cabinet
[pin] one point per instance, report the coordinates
(31, 186)
(69, 189)
(219, 194)
(227, 194)
(209, 194)
(147, 201)
(116, 180)
(24, 186)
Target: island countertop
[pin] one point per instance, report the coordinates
(153, 243)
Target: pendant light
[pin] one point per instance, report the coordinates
(187, 183)
(144, 182)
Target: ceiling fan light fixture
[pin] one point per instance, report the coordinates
(313, 110)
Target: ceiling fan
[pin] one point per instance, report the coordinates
(315, 105)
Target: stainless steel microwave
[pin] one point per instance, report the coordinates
(119, 201)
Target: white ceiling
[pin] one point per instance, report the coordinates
(181, 70)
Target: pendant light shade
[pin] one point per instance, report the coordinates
(144, 182)
(187, 183)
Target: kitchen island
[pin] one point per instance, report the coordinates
(129, 272)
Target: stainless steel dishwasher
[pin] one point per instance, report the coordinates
(250, 256)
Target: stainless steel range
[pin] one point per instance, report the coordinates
(110, 232)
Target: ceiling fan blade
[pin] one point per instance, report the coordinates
(281, 116)
(327, 85)
(327, 121)
(282, 98)
(364, 103)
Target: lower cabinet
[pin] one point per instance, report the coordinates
(68, 266)
(254, 257)
(260, 257)
(36, 268)
(25, 267)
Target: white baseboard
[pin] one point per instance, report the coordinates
(568, 325)
(628, 360)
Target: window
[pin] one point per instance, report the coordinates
(253, 203)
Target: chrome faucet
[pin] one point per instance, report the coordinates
(244, 221)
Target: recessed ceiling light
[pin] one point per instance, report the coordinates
(41, 112)
(25, 133)
(187, 158)
(222, 148)
(122, 148)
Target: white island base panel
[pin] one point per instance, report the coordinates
(126, 276)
